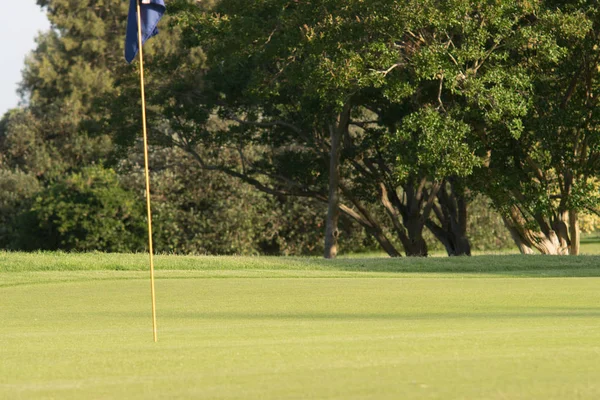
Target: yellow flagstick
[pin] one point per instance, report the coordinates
(151, 250)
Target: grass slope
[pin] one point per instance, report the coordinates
(78, 327)
(514, 265)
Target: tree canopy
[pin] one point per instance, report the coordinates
(395, 116)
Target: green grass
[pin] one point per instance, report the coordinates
(78, 326)
(590, 243)
(211, 266)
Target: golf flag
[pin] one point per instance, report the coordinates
(151, 12)
(141, 26)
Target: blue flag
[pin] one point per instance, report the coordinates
(152, 11)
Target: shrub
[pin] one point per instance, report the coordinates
(17, 192)
(87, 210)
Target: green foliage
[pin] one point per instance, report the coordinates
(542, 160)
(17, 191)
(434, 144)
(85, 211)
(294, 67)
(208, 212)
(72, 67)
(486, 229)
(200, 212)
(23, 148)
(499, 95)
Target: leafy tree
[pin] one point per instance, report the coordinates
(370, 69)
(505, 74)
(66, 80)
(71, 67)
(540, 129)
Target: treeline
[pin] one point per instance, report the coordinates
(295, 127)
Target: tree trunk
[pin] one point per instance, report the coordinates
(384, 242)
(415, 245)
(554, 241)
(521, 243)
(574, 233)
(454, 240)
(414, 209)
(333, 213)
(333, 205)
(561, 231)
(452, 215)
(366, 220)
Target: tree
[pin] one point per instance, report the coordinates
(66, 80)
(377, 61)
(522, 77)
(540, 171)
(71, 67)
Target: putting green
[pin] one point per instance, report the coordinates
(87, 335)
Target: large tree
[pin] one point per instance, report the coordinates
(541, 167)
(72, 66)
(422, 86)
(83, 107)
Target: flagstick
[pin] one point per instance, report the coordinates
(139, 20)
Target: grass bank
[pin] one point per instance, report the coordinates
(516, 265)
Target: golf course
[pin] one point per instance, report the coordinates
(300, 200)
(78, 326)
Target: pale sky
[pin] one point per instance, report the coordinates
(20, 22)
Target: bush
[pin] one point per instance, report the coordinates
(486, 229)
(17, 192)
(87, 210)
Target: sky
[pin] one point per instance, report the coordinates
(20, 22)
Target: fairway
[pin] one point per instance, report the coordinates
(285, 332)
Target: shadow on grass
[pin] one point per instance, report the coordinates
(557, 266)
(529, 313)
